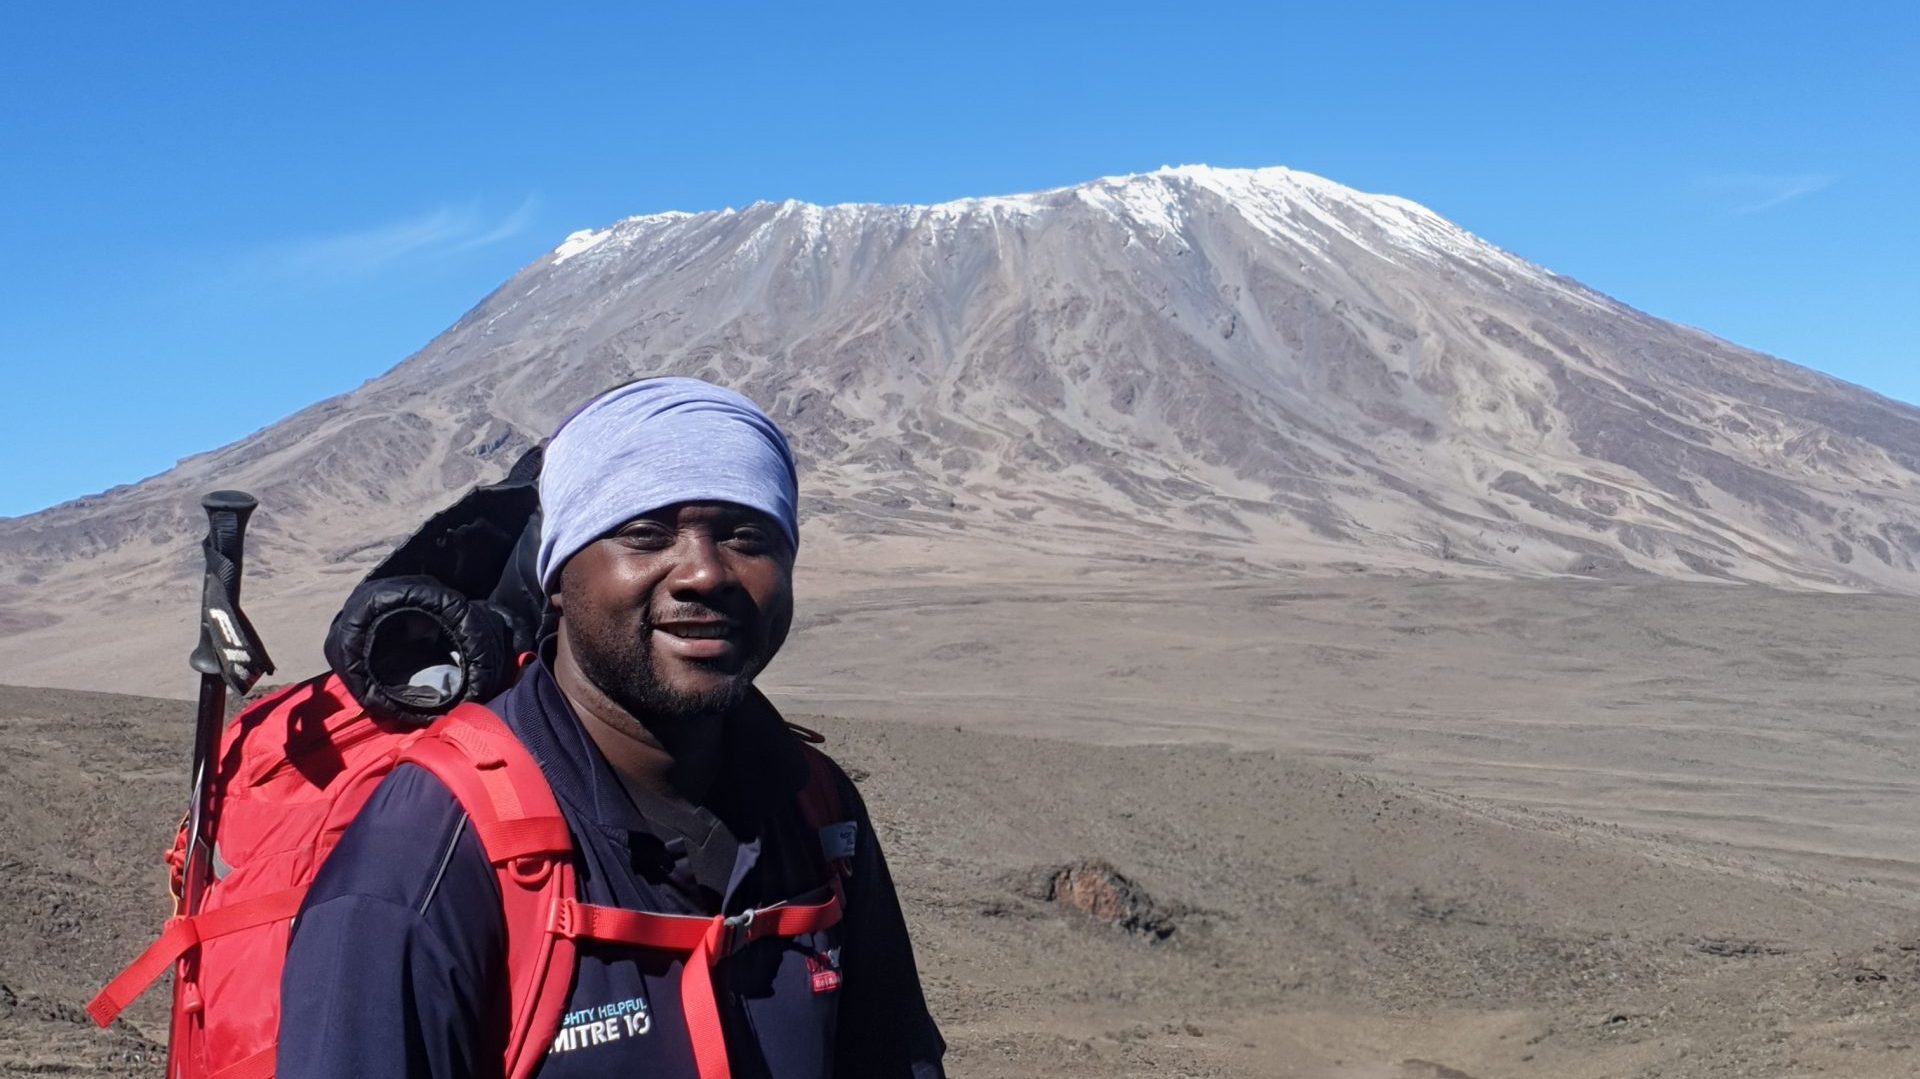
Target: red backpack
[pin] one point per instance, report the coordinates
(293, 771)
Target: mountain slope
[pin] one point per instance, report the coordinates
(1232, 371)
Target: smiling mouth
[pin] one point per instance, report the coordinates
(699, 631)
(701, 643)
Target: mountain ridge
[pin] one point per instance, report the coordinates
(1227, 372)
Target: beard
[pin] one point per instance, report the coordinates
(624, 670)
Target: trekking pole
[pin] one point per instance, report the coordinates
(229, 656)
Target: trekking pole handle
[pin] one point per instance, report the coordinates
(227, 513)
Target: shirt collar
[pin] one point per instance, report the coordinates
(763, 762)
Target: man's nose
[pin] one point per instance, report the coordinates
(699, 568)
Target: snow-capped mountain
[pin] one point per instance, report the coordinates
(1230, 371)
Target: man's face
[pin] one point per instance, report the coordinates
(674, 613)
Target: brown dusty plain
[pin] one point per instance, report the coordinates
(1399, 828)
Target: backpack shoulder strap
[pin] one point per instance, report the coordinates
(520, 828)
(824, 810)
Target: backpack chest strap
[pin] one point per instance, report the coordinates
(704, 941)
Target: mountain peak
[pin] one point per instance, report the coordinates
(1292, 206)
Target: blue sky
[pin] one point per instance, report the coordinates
(213, 214)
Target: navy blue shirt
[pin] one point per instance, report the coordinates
(396, 966)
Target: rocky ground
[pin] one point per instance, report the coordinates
(1179, 906)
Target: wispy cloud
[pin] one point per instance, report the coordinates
(1752, 193)
(436, 233)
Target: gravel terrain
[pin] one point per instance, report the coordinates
(1137, 893)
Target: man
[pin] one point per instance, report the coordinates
(667, 550)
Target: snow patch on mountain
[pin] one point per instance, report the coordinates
(623, 232)
(1154, 205)
(580, 242)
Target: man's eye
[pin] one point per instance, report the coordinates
(750, 537)
(643, 534)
